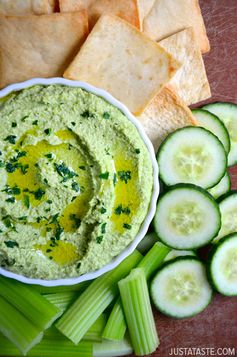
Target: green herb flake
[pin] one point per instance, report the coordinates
(24, 169)
(103, 228)
(26, 201)
(120, 209)
(58, 232)
(11, 200)
(124, 176)
(21, 154)
(76, 220)
(137, 151)
(35, 122)
(11, 139)
(82, 167)
(115, 180)
(127, 226)
(106, 115)
(103, 210)
(7, 221)
(73, 123)
(49, 202)
(24, 118)
(2, 164)
(99, 239)
(64, 172)
(11, 244)
(22, 218)
(54, 218)
(48, 250)
(39, 193)
(86, 114)
(75, 187)
(48, 131)
(104, 175)
(49, 156)
(14, 124)
(12, 190)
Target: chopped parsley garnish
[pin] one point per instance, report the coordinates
(11, 139)
(54, 218)
(14, 124)
(137, 151)
(99, 239)
(7, 221)
(10, 168)
(47, 209)
(49, 202)
(103, 210)
(115, 180)
(48, 131)
(127, 226)
(82, 167)
(120, 209)
(48, 250)
(11, 244)
(64, 172)
(12, 190)
(75, 187)
(39, 193)
(58, 232)
(73, 123)
(78, 265)
(35, 122)
(104, 175)
(103, 228)
(106, 115)
(125, 176)
(86, 114)
(22, 218)
(20, 154)
(11, 200)
(24, 168)
(49, 155)
(76, 220)
(26, 201)
(24, 118)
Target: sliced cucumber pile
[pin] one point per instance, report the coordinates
(180, 288)
(192, 155)
(179, 253)
(228, 209)
(227, 113)
(221, 188)
(212, 123)
(223, 265)
(187, 217)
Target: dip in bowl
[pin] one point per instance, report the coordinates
(78, 182)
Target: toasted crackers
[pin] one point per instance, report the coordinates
(39, 46)
(170, 16)
(25, 7)
(126, 9)
(190, 82)
(122, 60)
(166, 113)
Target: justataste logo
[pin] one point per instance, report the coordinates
(202, 351)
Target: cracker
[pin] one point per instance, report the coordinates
(166, 113)
(170, 16)
(39, 46)
(122, 60)
(126, 9)
(190, 82)
(25, 7)
(144, 9)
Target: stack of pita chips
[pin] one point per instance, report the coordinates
(146, 53)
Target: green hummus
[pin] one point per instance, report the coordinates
(75, 182)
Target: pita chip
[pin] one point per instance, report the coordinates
(144, 9)
(25, 7)
(190, 82)
(170, 16)
(122, 60)
(126, 9)
(39, 46)
(166, 113)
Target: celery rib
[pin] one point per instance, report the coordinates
(59, 289)
(29, 302)
(94, 300)
(138, 313)
(63, 300)
(15, 326)
(112, 349)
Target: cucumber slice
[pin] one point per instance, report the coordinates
(179, 253)
(180, 288)
(222, 187)
(228, 209)
(212, 123)
(227, 113)
(193, 155)
(223, 265)
(187, 217)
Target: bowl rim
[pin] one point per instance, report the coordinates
(152, 207)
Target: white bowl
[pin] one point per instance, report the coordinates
(144, 227)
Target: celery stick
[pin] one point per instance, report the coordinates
(138, 313)
(59, 289)
(116, 325)
(147, 242)
(94, 334)
(29, 302)
(153, 259)
(15, 326)
(62, 300)
(94, 300)
(49, 348)
(112, 349)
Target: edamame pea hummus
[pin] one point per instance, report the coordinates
(75, 182)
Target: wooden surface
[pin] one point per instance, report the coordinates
(215, 327)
